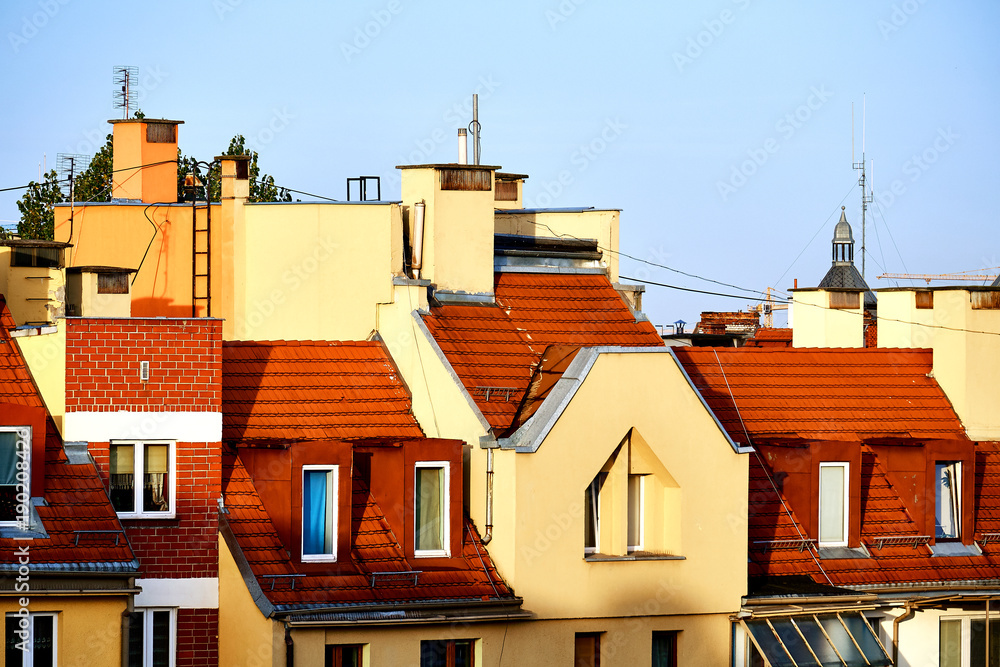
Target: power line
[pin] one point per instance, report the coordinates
(685, 289)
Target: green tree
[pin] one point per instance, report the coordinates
(38, 218)
(262, 188)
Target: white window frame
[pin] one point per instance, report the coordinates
(445, 511)
(332, 499)
(138, 466)
(642, 513)
(23, 445)
(596, 485)
(147, 634)
(847, 504)
(29, 656)
(958, 497)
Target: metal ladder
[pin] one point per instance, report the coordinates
(201, 261)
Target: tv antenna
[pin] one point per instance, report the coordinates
(866, 193)
(126, 81)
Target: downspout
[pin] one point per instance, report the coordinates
(910, 608)
(418, 238)
(289, 646)
(489, 497)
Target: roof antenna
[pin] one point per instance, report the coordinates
(474, 127)
(126, 77)
(866, 197)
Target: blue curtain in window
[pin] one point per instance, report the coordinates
(314, 494)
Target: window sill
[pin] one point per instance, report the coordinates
(148, 517)
(601, 558)
(432, 554)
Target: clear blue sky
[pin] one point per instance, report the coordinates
(722, 129)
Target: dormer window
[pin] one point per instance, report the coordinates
(15, 474)
(430, 509)
(834, 483)
(948, 500)
(319, 513)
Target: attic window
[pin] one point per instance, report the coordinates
(430, 509)
(161, 133)
(925, 300)
(319, 513)
(112, 283)
(948, 500)
(15, 452)
(845, 300)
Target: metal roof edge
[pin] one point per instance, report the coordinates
(450, 370)
(739, 449)
(508, 268)
(96, 567)
(253, 586)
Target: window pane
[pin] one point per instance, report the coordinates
(769, 644)
(592, 516)
(587, 650)
(463, 653)
(123, 478)
(8, 457)
(317, 534)
(434, 653)
(664, 649)
(350, 656)
(47, 257)
(161, 639)
(948, 500)
(795, 644)
(430, 509)
(635, 511)
(43, 651)
(135, 637)
(950, 645)
(978, 643)
(841, 639)
(156, 490)
(13, 656)
(831, 504)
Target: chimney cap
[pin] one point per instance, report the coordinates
(147, 121)
(98, 269)
(237, 158)
(452, 165)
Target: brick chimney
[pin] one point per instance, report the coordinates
(149, 142)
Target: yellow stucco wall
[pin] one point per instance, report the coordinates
(966, 363)
(815, 324)
(88, 629)
(246, 637)
(544, 516)
(45, 355)
(598, 224)
(316, 271)
(625, 642)
(118, 235)
(458, 231)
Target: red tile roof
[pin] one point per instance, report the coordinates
(75, 498)
(374, 548)
(495, 348)
(301, 390)
(765, 337)
(829, 394)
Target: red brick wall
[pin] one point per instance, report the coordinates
(186, 546)
(197, 637)
(103, 356)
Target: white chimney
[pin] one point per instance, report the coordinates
(463, 146)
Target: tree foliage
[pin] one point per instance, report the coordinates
(94, 182)
(262, 187)
(38, 218)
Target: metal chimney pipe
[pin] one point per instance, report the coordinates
(418, 238)
(475, 128)
(463, 146)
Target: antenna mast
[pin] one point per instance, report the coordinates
(866, 198)
(125, 93)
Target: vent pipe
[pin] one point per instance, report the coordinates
(418, 238)
(475, 128)
(463, 146)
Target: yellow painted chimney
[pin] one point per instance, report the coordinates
(455, 248)
(145, 160)
(229, 250)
